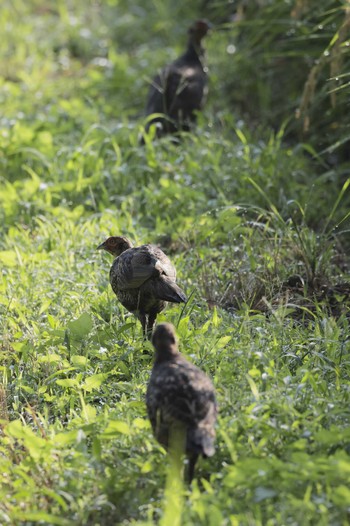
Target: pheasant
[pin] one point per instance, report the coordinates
(143, 278)
(180, 395)
(179, 90)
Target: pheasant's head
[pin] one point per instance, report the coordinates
(115, 245)
(199, 29)
(164, 341)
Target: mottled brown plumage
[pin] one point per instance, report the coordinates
(179, 394)
(143, 278)
(179, 90)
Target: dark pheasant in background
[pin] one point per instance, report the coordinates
(180, 394)
(179, 90)
(143, 278)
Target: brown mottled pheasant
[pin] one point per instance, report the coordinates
(179, 395)
(179, 90)
(143, 278)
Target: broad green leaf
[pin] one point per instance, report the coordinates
(81, 327)
(341, 495)
(223, 341)
(67, 382)
(114, 428)
(79, 360)
(94, 381)
(141, 423)
(262, 493)
(64, 439)
(253, 387)
(8, 258)
(146, 467)
(50, 358)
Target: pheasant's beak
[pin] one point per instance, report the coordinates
(102, 246)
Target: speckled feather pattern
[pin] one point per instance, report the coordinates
(143, 278)
(135, 265)
(179, 392)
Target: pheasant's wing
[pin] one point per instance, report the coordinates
(184, 87)
(163, 263)
(137, 265)
(182, 392)
(179, 394)
(156, 95)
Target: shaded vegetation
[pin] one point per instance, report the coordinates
(291, 63)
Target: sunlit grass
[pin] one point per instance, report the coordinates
(259, 239)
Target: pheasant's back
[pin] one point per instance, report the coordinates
(179, 392)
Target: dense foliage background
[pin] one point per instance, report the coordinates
(252, 208)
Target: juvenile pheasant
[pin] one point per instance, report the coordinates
(179, 395)
(180, 88)
(143, 278)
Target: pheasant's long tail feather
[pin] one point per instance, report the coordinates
(167, 290)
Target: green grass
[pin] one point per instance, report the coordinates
(240, 211)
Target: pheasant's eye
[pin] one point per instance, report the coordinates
(112, 242)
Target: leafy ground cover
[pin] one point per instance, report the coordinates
(257, 226)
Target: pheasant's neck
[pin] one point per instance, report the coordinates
(195, 49)
(126, 245)
(166, 354)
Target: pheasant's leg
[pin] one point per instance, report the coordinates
(143, 320)
(151, 319)
(191, 465)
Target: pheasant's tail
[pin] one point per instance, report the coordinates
(201, 442)
(167, 290)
